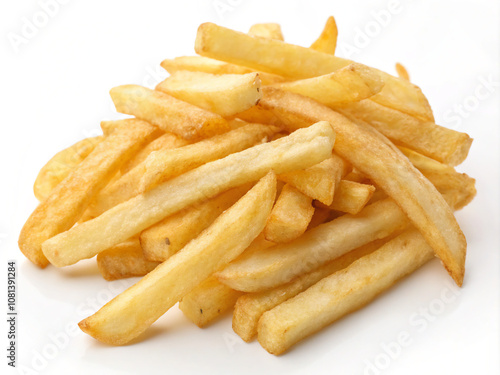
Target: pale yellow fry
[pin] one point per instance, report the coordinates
(402, 72)
(290, 216)
(265, 269)
(204, 64)
(250, 307)
(124, 260)
(445, 145)
(167, 163)
(225, 95)
(351, 197)
(208, 301)
(373, 154)
(168, 113)
(342, 292)
(133, 311)
(110, 126)
(299, 150)
(267, 30)
(167, 237)
(276, 57)
(61, 164)
(327, 40)
(69, 199)
(352, 83)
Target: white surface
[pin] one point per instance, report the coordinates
(55, 91)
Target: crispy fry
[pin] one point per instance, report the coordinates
(299, 150)
(61, 164)
(124, 260)
(296, 62)
(351, 197)
(69, 199)
(168, 113)
(402, 72)
(225, 95)
(208, 301)
(267, 30)
(132, 312)
(290, 216)
(327, 40)
(342, 292)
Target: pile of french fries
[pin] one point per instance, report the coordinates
(282, 181)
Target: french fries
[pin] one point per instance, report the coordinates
(168, 113)
(225, 95)
(402, 72)
(327, 41)
(267, 30)
(132, 312)
(342, 292)
(352, 196)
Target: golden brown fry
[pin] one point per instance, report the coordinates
(168, 113)
(124, 260)
(299, 150)
(225, 95)
(388, 168)
(297, 62)
(327, 40)
(342, 292)
(69, 199)
(208, 301)
(351, 197)
(267, 30)
(321, 215)
(132, 312)
(402, 72)
(167, 237)
(61, 164)
(290, 216)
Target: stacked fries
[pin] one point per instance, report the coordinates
(282, 181)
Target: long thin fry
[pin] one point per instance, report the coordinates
(327, 41)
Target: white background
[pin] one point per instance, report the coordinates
(54, 91)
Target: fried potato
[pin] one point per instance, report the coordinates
(342, 292)
(442, 144)
(267, 30)
(225, 95)
(110, 126)
(352, 83)
(269, 268)
(327, 40)
(124, 260)
(61, 164)
(168, 163)
(290, 216)
(208, 301)
(351, 197)
(295, 62)
(168, 113)
(319, 181)
(301, 149)
(133, 311)
(402, 72)
(167, 237)
(388, 168)
(320, 216)
(250, 307)
(69, 199)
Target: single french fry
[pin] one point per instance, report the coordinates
(402, 72)
(167, 237)
(388, 169)
(69, 199)
(165, 164)
(250, 307)
(343, 292)
(133, 311)
(442, 144)
(168, 113)
(290, 216)
(110, 126)
(269, 268)
(301, 149)
(124, 260)
(267, 30)
(61, 164)
(351, 197)
(208, 301)
(225, 95)
(297, 62)
(352, 83)
(327, 40)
